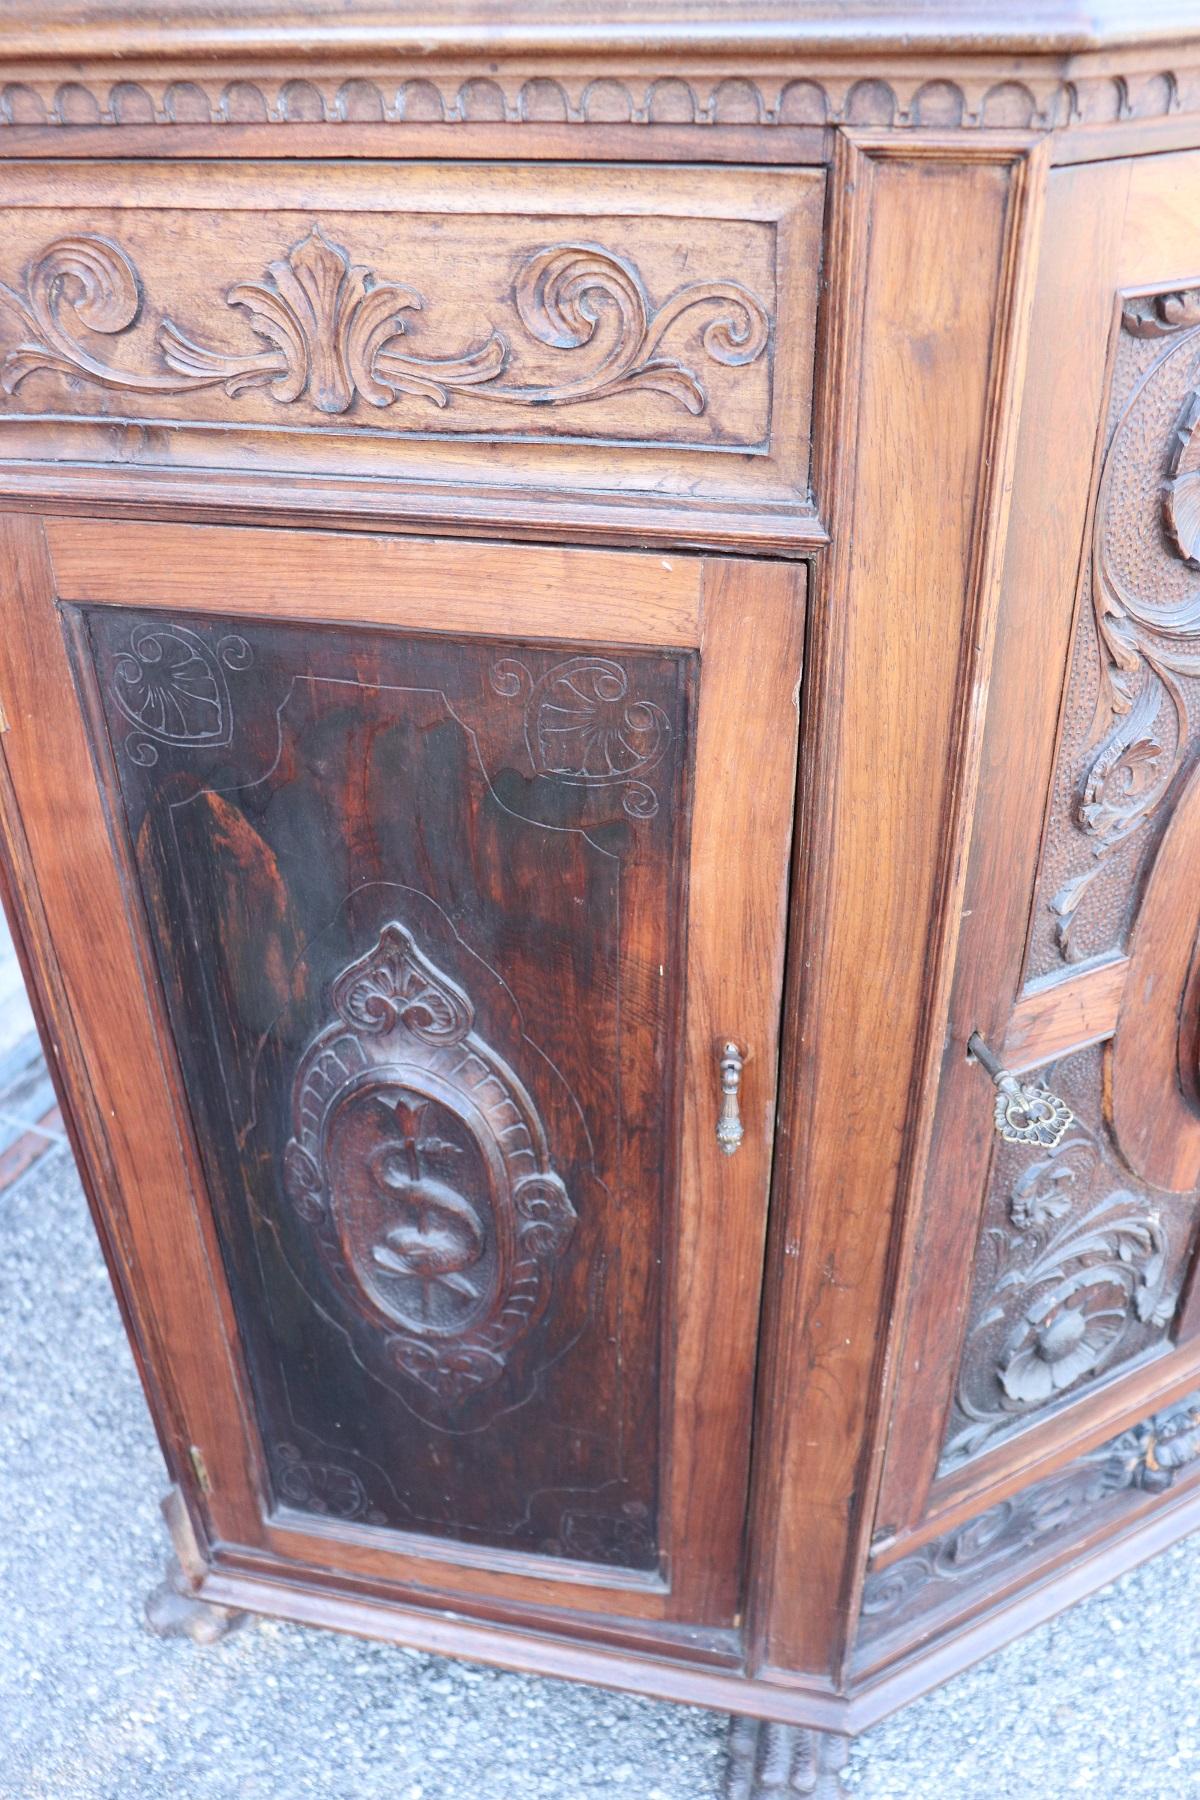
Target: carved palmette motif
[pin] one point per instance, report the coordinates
(583, 726)
(420, 1165)
(330, 331)
(170, 685)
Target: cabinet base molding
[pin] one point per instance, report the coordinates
(769, 1761)
(874, 1691)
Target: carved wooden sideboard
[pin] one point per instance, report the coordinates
(618, 1159)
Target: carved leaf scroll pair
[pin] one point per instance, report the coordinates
(334, 332)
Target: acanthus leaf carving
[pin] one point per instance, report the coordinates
(562, 294)
(1148, 641)
(1149, 1457)
(1084, 1265)
(420, 1166)
(334, 332)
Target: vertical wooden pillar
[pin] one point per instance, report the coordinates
(922, 359)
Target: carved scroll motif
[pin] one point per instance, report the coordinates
(581, 727)
(420, 1164)
(1147, 622)
(331, 332)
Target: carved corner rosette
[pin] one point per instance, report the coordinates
(170, 685)
(419, 1164)
(1146, 609)
(1147, 1458)
(330, 331)
(1078, 1267)
(319, 1486)
(582, 727)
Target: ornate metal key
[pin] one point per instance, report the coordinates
(1026, 1114)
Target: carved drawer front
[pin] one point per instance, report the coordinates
(431, 846)
(538, 336)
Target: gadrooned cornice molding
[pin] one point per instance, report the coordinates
(983, 99)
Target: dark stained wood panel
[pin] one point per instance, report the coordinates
(416, 906)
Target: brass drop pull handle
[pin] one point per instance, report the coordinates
(730, 1131)
(1025, 1113)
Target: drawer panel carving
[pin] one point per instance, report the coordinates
(971, 1565)
(408, 326)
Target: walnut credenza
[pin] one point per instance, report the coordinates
(620, 1156)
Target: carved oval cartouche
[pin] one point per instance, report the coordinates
(419, 1165)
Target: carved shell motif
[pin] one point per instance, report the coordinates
(420, 1164)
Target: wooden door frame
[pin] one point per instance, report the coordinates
(744, 778)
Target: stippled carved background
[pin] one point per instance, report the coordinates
(1131, 723)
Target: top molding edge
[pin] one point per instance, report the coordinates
(303, 30)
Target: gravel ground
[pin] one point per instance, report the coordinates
(1104, 1702)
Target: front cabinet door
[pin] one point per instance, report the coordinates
(397, 904)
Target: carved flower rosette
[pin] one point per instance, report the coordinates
(419, 1164)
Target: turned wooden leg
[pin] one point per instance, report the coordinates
(776, 1762)
(174, 1609)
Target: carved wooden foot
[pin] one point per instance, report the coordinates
(174, 1609)
(776, 1762)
